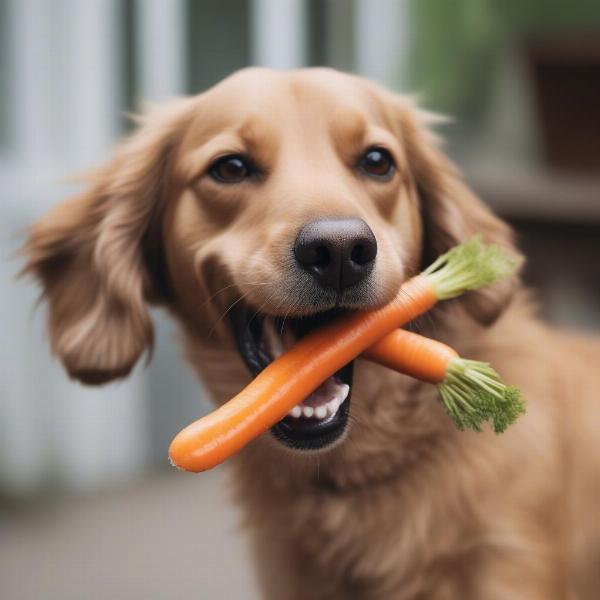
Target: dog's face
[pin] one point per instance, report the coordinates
(257, 212)
(299, 197)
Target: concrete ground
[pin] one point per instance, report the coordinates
(172, 536)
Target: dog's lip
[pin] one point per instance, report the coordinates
(259, 339)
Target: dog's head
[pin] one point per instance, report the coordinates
(256, 211)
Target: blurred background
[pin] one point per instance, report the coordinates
(88, 505)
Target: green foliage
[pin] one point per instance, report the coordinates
(473, 393)
(470, 266)
(456, 44)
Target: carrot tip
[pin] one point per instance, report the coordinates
(470, 266)
(473, 393)
(174, 464)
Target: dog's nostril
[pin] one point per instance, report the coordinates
(358, 255)
(337, 252)
(322, 256)
(364, 253)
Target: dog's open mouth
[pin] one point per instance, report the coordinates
(321, 418)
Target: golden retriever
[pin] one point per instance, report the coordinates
(255, 212)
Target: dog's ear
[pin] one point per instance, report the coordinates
(452, 213)
(88, 254)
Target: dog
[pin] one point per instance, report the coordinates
(258, 211)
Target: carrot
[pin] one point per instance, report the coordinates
(298, 372)
(472, 392)
(412, 354)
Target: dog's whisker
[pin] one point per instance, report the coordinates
(259, 309)
(228, 287)
(231, 306)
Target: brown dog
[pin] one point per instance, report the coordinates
(255, 212)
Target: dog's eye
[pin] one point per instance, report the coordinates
(230, 169)
(377, 162)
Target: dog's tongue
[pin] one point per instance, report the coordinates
(329, 389)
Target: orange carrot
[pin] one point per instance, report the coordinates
(471, 391)
(412, 354)
(297, 373)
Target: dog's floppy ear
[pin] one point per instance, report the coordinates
(452, 213)
(88, 254)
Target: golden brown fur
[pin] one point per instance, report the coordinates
(405, 507)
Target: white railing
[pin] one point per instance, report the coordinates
(381, 40)
(279, 33)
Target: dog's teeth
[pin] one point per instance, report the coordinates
(308, 411)
(320, 412)
(343, 393)
(323, 411)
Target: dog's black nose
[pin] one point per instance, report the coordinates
(337, 252)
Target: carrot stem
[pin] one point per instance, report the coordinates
(472, 393)
(470, 266)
